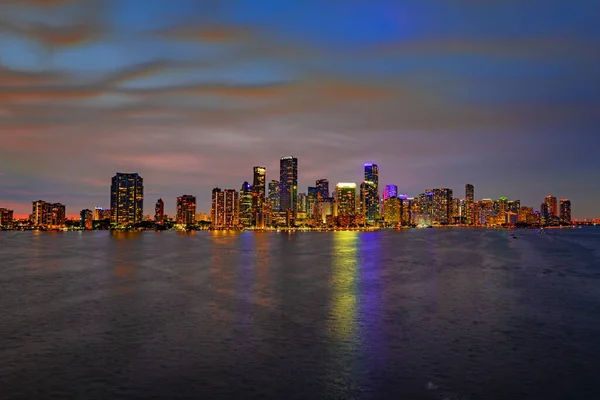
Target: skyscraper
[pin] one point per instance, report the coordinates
(288, 192)
(392, 210)
(302, 202)
(322, 189)
(565, 211)
(311, 199)
(58, 214)
(41, 213)
(274, 195)
(186, 210)
(127, 198)
(390, 191)
(442, 206)
(258, 194)
(159, 212)
(86, 219)
(346, 198)
(469, 204)
(246, 200)
(224, 213)
(6, 217)
(371, 196)
(551, 205)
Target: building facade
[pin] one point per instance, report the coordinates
(322, 186)
(224, 213)
(288, 180)
(159, 212)
(86, 219)
(565, 211)
(258, 195)
(274, 187)
(186, 210)
(346, 198)
(371, 193)
(246, 203)
(6, 217)
(127, 199)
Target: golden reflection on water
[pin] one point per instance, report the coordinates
(344, 280)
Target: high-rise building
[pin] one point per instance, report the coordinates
(6, 217)
(127, 199)
(302, 202)
(258, 194)
(159, 212)
(86, 221)
(58, 214)
(274, 195)
(371, 196)
(224, 213)
(101, 213)
(288, 178)
(186, 210)
(311, 199)
(565, 211)
(390, 191)
(322, 189)
(551, 205)
(469, 204)
(246, 200)
(346, 198)
(41, 214)
(442, 206)
(392, 210)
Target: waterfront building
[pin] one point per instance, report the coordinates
(346, 198)
(390, 191)
(101, 213)
(302, 202)
(565, 211)
(524, 214)
(224, 212)
(311, 199)
(258, 196)
(86, 219)
(322, 186)
(159, 212)
(41, 213)
(457, 211)
(442, 206)
(274, 195)
(469, 204)
(6, 217)
(246, 203)
(371, 193)
(186, 210)
(392, 211)
(551, 206)
(288, 178)
(127, 199)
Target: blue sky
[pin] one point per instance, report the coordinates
(192, 94)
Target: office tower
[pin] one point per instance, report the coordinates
(224, 213)
(405, 210)
(246, 200)
(186, 210)
(322, 189)
(258, 195)
(552, 205)
(565, 211)
(126, 199)
(442, 206)
(274, 195)
(392, 211)
(159, 212)
(469, 204)
(311, 199)
(390, 191)
(524, 214)
(86, 219)
(545, 215)
(101, 213)
(41, 213)
(457, 211)
(58, 214)
(288, 178)
(6, 217)
(302, 202)
(513, 206)
(371, 197)
(346, 198)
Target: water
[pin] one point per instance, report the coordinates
(416, 314)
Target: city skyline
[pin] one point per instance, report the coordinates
(192, 95)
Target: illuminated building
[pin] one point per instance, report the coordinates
(159, 212)
(41, 213)
(127, 199)
(311, 199)
(405, 212)
(544, 213)
(86, 219)
(469, 204)
(513, 206)
(258, 195)
(186, 210)
(371, 193)
(288, 179)
(302, 202)
(392, 211)
(524, 215)
(442, 206)
(551, 205)
(246, 202)
(101, 213)
(457, 211)
(322, 189)
(346, 198)
(274, 195)
(565, 211)
(6, 217)
(390, 191)
(224, 213)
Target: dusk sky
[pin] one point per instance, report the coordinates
(191, 94)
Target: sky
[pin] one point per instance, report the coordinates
(191, 94)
